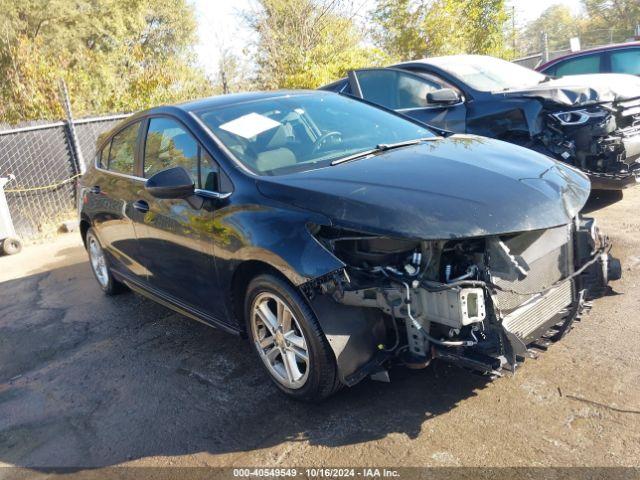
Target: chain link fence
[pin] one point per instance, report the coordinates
(46, 165)
(544, 48)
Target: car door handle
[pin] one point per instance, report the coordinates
(141, 206)
(95, 189)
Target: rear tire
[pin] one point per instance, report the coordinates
(11, 245)
(284, 331)
(100, 266)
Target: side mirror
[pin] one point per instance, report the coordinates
(170, 183)
(444, 96)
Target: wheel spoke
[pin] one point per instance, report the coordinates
(289, 361)
(284, 318)
(273, 354)
(268, 318)
(296, 340)
(300, 353)
(266, 342)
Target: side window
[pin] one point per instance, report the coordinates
(580, 65)
(100, 156)
(395, 90)
(211, 177)
(551, 71)
(168, 144)
(626, 61)
(122, 151)
(378, 86)
(412, 91)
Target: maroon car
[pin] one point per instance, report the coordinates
(619, 58)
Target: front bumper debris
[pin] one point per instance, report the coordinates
(480, 304)
(613, 181)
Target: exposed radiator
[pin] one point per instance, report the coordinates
(548, 256)
(527, 320)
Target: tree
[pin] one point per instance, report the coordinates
(306, 43)
(557, 22)
(233, 73)
(610, 20)
(623, 14)
(114, 55)
(411, 29)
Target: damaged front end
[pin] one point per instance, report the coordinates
(591, 122)
(602, 140)
(479, 303)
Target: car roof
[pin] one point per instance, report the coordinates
(615, 46)
(438, 61)
(220, 101)
(210, 103)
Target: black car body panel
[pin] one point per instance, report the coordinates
(448, 194)
(473, 216)
(601, 134)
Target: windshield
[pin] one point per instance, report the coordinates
(297, 132)
(488, 74)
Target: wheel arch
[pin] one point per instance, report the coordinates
(85, 225)
(240, 279)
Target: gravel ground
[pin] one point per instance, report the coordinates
(87, 381)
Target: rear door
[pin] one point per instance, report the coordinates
(406, 92)
(176, 235)
(113, 193)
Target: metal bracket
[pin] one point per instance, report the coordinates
(575, 314)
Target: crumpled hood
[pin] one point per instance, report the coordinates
(456, 187)
(581, 90)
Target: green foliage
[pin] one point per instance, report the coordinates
(609, 21)
(605, 21)
(557, 22)
(306, 43)
(115, 55)
(410, 29)
(618, 14)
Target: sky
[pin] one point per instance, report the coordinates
(220, 24)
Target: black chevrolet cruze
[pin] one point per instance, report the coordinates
(340, 238)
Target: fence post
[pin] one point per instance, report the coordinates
(75, 145)
(544, 41)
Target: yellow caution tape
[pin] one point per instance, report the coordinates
(45, 187)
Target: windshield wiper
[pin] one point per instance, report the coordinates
(381, 147)
(389, 146)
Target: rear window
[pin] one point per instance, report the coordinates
(122, 151)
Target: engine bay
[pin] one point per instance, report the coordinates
(603, 140)
(477, 302)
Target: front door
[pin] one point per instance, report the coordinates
(175, 235)
(406, 93)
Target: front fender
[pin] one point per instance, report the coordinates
(272, 235)
(505, 118)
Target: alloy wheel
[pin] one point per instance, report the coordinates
(98, 262)
(279, 340)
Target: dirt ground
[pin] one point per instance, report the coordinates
(87, 380)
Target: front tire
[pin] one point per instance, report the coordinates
(100, 267)
(288, 339)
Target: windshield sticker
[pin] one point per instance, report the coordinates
(250, 125)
